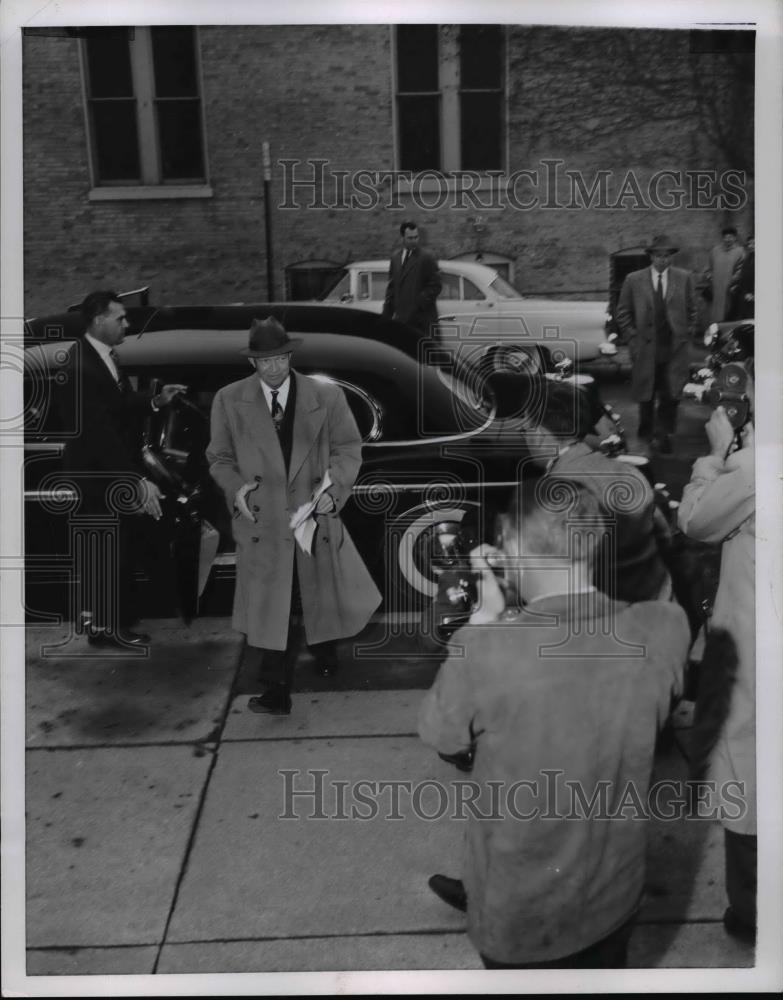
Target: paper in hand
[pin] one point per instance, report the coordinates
(302, 520)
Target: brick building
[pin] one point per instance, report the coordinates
(143, 152)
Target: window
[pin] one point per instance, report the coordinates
(450, 97)
(144, 106)
(311, 279)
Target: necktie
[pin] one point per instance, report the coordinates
(659, 288)
(405, 257)
(277, 410)
(121, 380)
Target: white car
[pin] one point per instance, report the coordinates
(475, 302)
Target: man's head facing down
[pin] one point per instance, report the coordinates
(555, 529)
(104, 317)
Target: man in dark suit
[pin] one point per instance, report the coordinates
(103, 459)
(656, 312)
(744, 292)
(414, 283)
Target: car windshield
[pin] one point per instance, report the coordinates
(342, 286)
(504, 289)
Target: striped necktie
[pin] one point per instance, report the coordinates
(277, 410)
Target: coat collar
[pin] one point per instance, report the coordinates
(309, 415)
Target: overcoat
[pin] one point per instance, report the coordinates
(636, 319)
(338, 593)
(413, 289)
(719, 505)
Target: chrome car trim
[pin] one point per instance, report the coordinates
(372, 405)
(51, 447)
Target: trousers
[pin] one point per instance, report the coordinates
(278, 666)
(667, 406)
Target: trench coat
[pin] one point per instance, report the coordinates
(718, 505)
(338, 593)
(413, 289)
(636, 319)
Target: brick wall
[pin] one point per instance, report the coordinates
(597, 100)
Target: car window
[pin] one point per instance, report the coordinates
(380, 280)
(341, 287)
(450, 288)
(503, 289)
(471, 291)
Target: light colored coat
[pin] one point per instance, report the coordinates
(572, 692)
(338, 593)
(720, 500)
(636, 319)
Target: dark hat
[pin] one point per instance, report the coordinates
(661, 243)
(268, 338)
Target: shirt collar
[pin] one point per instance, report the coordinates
(103, 349)
(282, 392)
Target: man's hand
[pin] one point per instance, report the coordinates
(167, 393)
(490, 603)
(241, 504)
(325, 504)
(149, 499)
(720, 433)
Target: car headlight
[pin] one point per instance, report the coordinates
(711, 334)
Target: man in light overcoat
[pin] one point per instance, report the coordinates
(656, 312)
(275, 435)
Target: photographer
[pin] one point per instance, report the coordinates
(552, 687)
(718, 505)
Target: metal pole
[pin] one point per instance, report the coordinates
(270, 271)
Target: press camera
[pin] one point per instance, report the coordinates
(726, 378)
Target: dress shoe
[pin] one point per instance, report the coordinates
(738, 928)
(275, 701)
(450, 890)
(119, 640)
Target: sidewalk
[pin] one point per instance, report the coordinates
(154, 843)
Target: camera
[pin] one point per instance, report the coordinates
(726, 377)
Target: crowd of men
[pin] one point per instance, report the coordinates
(575, 649)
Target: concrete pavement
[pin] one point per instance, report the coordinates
(155, 842)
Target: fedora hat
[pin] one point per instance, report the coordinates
(661, 243)
(268, 338)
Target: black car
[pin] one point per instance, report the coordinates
(440, 421)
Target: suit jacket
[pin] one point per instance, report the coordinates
(636, 319)
(338, 593)
(574, 694)
(107, 423)
(413, 289)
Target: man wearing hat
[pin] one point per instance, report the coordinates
(656, 312)
(275, 436)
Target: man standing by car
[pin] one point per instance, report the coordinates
(280, 441)
(103, 457)
(414, 283)
(656, 312)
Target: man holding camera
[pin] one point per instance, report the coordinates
(656, 312)
(719, 506)
(572, 685)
